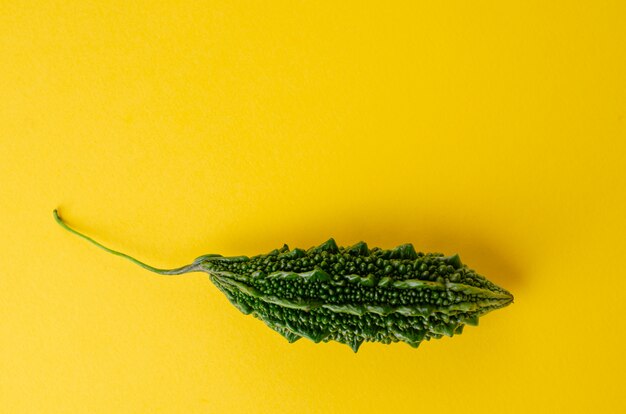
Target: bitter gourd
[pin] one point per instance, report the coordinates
(349, 294)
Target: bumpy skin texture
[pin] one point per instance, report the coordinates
(347, 294)
(356, 294)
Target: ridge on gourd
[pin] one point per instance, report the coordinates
(348, 294)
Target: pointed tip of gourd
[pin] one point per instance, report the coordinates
(509, 299)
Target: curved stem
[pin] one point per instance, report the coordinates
(194, 267)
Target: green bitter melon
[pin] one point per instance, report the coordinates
(349, 294)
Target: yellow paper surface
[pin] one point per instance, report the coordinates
(173, 129)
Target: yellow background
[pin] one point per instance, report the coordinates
(174, 129)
